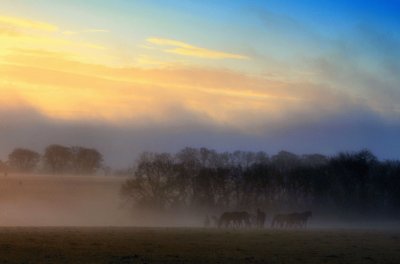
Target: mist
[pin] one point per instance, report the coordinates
(70, 200)
(48, 200)
(354, 129)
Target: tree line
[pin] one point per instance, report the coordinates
(348, 183)
(56, 159)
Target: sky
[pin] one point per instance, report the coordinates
(158, 75)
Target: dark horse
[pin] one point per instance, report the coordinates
(234, 219)
(298, 219)
(279, 221)
(302, 219)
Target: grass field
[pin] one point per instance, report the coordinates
(190, 245)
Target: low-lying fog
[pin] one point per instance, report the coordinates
(54, 200)
(49, 200)
(38, 200)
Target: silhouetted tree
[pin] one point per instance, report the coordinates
(349, 183)
(350, 174)
(314, 160)
(58, 158)
(154, 183)
(85, 160)
(24, 160)
(284, 161)
(387, 184)
(188, 166)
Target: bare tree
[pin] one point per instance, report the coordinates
(346, 183)
(154, 183)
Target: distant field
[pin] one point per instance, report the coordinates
(43, 200)
(183, 245)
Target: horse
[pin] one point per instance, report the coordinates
(292, 220)
(244, 219)
(225, 220)
(279, 221)
(303, 218)
(234, 219)
(298, 219)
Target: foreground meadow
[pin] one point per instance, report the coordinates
(191, 245)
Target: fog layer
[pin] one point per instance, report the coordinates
(121, 144)
(38, 200)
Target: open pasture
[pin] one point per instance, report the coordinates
(195, 245)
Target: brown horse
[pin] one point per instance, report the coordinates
(303, 219)
(279, 221)
(225, 220)
(293, 220)
(234, 219)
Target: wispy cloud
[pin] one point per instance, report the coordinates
(185, 49)
(18, 22)
(91, 30)
(25, 33)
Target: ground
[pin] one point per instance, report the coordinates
(194, 245)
